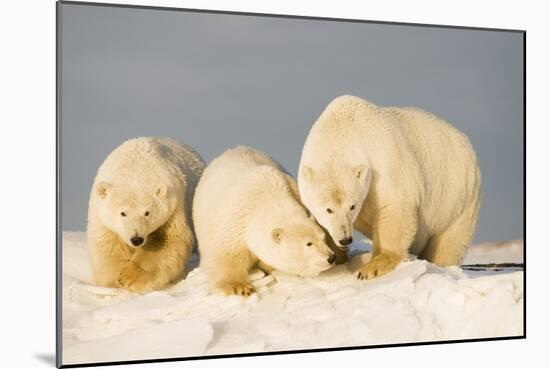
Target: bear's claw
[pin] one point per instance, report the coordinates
(378, 266)
(241, 289)
(134, 279)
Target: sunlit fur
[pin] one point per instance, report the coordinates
(413, 178)
(246, 209)
(143, 189)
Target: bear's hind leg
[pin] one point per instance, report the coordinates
(450, 246)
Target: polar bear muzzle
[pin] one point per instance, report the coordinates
(137, 241)
(345, 242)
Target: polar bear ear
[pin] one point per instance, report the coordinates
(308, 173)
(277, 234)
(360, 172)
(161, 190)
(102, 188)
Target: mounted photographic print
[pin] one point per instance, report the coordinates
(238, 184)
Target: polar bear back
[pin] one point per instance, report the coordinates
(229, 173)
(147, 161)
(441, 151)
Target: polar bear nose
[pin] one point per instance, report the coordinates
(346, 241)
(331, 258)
(136, 241)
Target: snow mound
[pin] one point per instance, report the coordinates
(416, 302)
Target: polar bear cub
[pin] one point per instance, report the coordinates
(403, 177)
(247, 212)
(139, 217)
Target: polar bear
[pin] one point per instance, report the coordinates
(403, 177)
(139, 217)
(247, 213)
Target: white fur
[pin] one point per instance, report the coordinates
(144, 188)
(412, 177)
(247, 208)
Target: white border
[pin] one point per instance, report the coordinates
(27, 30)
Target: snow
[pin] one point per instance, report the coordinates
(416, 302)
(496, 252)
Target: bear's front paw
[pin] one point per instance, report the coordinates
(267, 269)
(237, 288)
(378, 266)
(133, 278)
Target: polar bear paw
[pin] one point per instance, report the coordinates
(134, 279)
(267, 269)
(237, 288)
(378, 266)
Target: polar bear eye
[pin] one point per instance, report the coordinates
(352, 207)
(146, 214)
(329, 210)
(309, 244)
(123, 214)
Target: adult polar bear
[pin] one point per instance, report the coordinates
(139, 219)
(247, 212)
(403, 177)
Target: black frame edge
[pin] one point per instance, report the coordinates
(273, 15)
(58, 237)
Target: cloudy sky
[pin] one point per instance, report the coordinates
(215, 81)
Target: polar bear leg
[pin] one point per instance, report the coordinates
(154, 267)
(108, 255)
(393, 234)
(267, 269)
(229, 273)
(449, 247)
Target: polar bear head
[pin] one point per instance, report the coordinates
(292, 244)
(133, 214)
(335, 197)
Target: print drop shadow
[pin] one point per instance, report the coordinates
(47, 358)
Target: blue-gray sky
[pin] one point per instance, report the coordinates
(214, 81)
